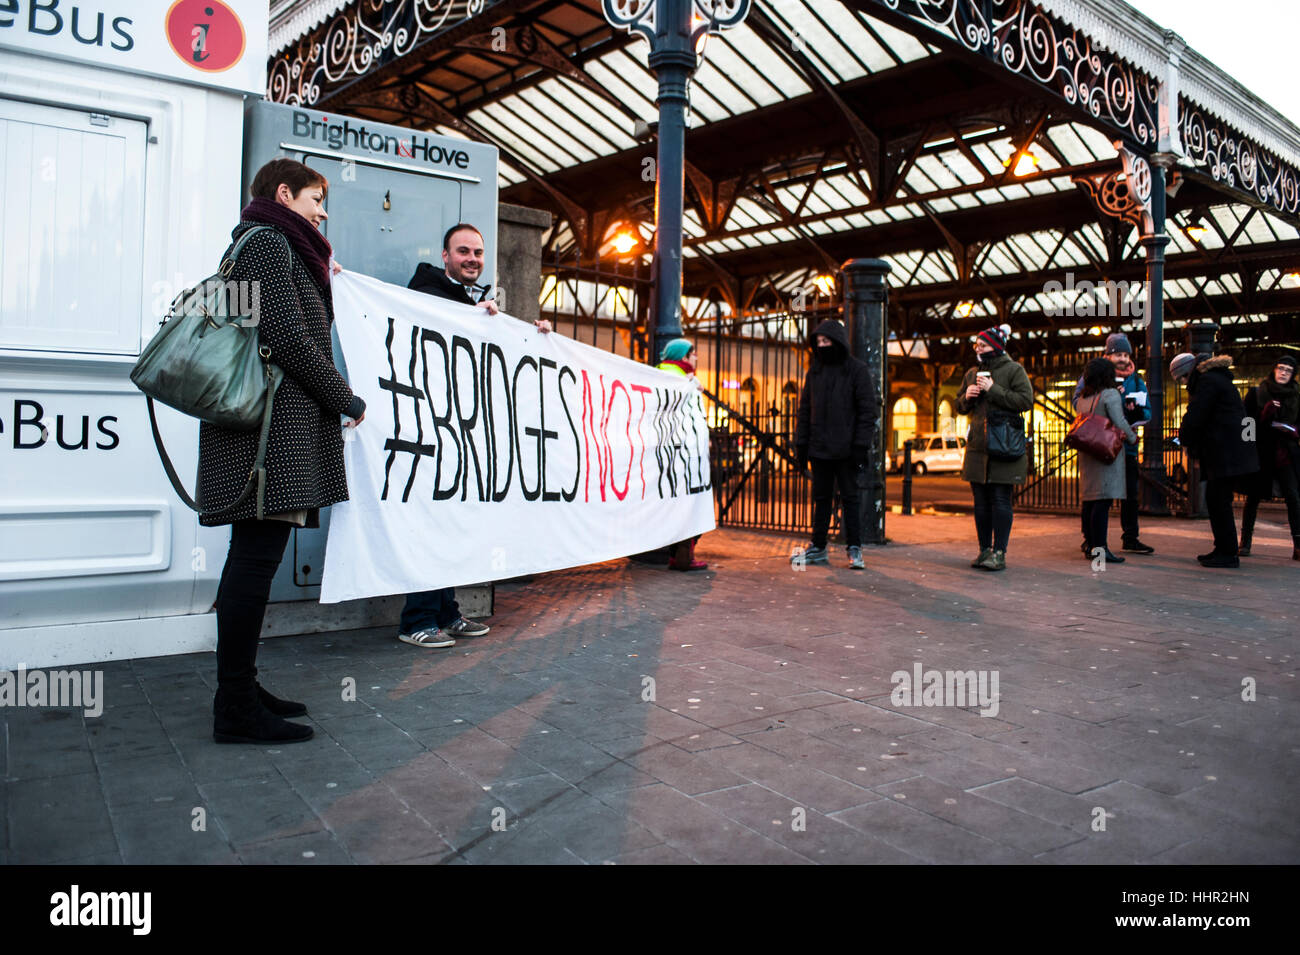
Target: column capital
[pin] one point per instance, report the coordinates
(875, 266)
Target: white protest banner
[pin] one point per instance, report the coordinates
(490, 450)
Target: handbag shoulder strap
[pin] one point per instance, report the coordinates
(228, 263)
(256, 482)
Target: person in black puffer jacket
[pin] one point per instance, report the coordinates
(1275, 405)
(1213, 430)
(290, 264)
(836, 430)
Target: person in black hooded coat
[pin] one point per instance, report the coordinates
(1213, 430)
(836, 430)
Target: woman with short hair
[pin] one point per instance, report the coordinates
(1100, 482)
(290, 265)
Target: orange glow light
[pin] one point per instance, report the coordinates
(1026, 162)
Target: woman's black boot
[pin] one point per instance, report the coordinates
(238, 716)
(278, 706)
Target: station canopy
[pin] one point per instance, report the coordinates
(963, 143)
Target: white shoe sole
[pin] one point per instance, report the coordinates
(436, 644)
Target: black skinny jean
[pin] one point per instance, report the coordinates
(1096, 523)
(1218, 502)
(992, 515)
(1290, 488)
(825, 475)
(256, 548)
(1128, 508)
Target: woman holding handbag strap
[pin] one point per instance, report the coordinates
(289, 265)
(996, 387)
(1101, 482)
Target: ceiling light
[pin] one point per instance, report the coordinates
(964, 309)
(1026, 162)
(624, 242)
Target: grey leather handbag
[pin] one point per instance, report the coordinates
(206, 362)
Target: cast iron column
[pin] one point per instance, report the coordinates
(1153, 441)
(672, 63)
(672, 27)
(865, 298)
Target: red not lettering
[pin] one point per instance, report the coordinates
(586, 454)
(602, 454)
(645, 390)
(631, 453)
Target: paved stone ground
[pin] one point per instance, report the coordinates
(771, 738)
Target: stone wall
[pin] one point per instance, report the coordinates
(519, 259)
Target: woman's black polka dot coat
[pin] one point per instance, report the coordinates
(304, 456)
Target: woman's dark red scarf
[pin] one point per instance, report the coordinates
(312, 247)
(685, 366)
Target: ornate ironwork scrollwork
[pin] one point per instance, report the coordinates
(1125, 194)
(639, 16)
(357, 40)
(1230, 158)
(1028, 41)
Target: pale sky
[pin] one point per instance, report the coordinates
(1253, 41)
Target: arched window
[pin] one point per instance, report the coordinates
(947, 419)
(789, 397)
(904, 421)
(749, 395)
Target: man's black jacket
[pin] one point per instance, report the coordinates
(434, 281)
(838, 407)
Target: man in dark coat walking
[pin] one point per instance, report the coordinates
(431, 618)
(1216, 431)
(836, 430)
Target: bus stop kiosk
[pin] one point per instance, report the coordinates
(121, 177)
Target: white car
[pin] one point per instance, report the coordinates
(933, 452)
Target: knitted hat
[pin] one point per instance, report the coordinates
(676, 350)
(1117, 344)
(996, 337)
(1286, 358)
(1183, 365)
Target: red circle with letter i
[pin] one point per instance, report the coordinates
(206, 34)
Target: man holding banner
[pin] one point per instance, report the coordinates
(493, 451)
(432, 618)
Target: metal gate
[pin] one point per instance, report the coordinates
(751, 366)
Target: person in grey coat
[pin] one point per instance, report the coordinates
(1101, 483)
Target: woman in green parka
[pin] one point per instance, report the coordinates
(995, 384)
